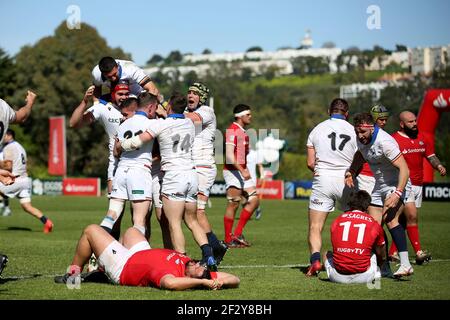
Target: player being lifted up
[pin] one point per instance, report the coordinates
(110, 72)
(203, 154)
(180, 184)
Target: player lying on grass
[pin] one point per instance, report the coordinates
(134, 263)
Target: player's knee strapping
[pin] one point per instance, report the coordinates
(252, 196)
(201, 204)
(115, 206)
(140, 228)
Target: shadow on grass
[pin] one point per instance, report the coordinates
(18, 229)
(9, 279)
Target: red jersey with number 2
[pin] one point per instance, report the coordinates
(236, 136)
(353, 235)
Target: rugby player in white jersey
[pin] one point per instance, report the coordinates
(204, 120)
(330, 149)
(9, 116)
(180, 183)
(110, 72)
(133, 180)
(107, 114)
(392, 184)
(365, 179)
(21, 188)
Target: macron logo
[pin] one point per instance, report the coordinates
(440, 102)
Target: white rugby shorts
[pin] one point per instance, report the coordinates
(326, 191)
(180, 185)
(115, 256)
(233, 178)
(366, 183)
(132, 183)
(380, 194)
(415, 195)
(368, 276)
(206, 177)
(21, 188)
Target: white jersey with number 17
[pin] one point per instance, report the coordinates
(334, 141)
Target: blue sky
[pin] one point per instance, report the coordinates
(148, 27)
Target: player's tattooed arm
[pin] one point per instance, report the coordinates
(436, 164)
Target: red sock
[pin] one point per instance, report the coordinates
(243, 218)
(413, 235)
(228, 225)
(393, 249)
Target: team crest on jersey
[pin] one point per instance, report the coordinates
(421, 143)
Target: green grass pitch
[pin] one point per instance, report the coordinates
(269, 270)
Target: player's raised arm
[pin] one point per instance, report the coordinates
(23, 113)
(79, 117)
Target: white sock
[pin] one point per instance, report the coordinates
(140, 228)
(404, 259)
(108, 222)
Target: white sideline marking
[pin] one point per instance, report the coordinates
(221, 267)
(296, 265)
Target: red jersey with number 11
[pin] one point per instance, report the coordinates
(354, 234)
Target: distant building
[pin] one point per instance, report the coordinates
(352, 91)
(398, 57)
(425, 60)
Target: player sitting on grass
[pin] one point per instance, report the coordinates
(355, 235)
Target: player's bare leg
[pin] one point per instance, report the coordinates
(164, 224)
(93, 240)
(174, 211)
(35, 212)
(131, 237)
(316, 221)
(376, 212)
(190, 218)
(140, 212)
